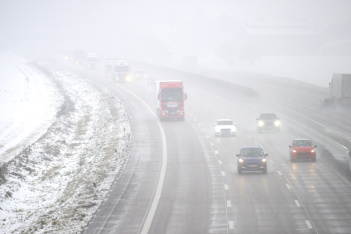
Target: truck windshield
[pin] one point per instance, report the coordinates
(173, 94)
(122, 69)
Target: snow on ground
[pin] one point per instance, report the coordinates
(28, 105)
(54, 183)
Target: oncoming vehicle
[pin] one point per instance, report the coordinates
(140, 74)
(302, 149)
(268, 121)
(225, 127)
(252, 158)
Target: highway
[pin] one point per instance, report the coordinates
(180, 178)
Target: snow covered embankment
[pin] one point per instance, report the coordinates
(58, 182)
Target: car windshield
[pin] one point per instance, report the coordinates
(225, 122)
(268, 116)
(252, 152)
(302, 143)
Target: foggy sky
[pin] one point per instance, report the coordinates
(190, 27)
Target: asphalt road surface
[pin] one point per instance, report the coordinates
(180, 178)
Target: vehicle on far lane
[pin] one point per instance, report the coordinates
(140, 75)
(268, 121)
(328, 104)
(252, 158)
(225, 127)
(302, 149)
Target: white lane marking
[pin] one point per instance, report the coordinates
(297, 203)
(226, 187)
(229, 203)
(216, 152)
(271, 161)
(161, 178)
(211, 144)
(231, 225)
(223, 173)
(279, 173)
(288, 186)
(308, 223)
(219, 161)
(208, 137)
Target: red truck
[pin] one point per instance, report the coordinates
(170, 97)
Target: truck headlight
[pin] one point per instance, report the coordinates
(264, 160)
(277, 123)
(260, 123)
(128, 78)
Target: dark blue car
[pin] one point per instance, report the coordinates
(252, 158)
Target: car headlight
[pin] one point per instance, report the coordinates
(277, 123)
(312, 151)
(233, 129)
(241, 160)
(294, 151)
(260, 123)
(264, 160)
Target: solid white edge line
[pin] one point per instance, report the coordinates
(157, 196)
(223, 173)
(229, 203)
(155, 201)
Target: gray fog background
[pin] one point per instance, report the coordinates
(228, 32)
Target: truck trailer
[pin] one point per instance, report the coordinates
(170, 97)
(340, 89)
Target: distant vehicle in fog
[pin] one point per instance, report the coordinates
(79, 57)
(118, 70)
(123, 71)
(140, 75)
(328, 104)
(252, 158)
(268, 121)
(340, 89)
(91, 60)
(225, 127)
(302, 149)
(170, 97)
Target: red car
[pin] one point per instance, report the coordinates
(302, 149)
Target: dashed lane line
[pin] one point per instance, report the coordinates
(308, 223)
(297, 203)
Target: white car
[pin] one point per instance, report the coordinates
(225, 127)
